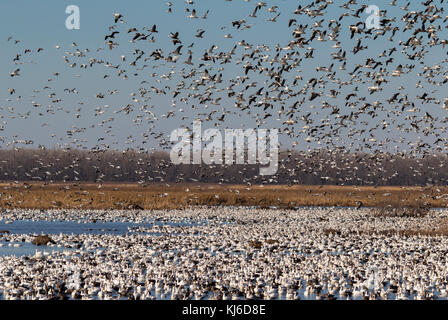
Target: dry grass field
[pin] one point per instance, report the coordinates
(164, 196)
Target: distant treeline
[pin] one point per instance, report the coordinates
(334, 167)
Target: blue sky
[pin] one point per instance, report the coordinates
(42, 24)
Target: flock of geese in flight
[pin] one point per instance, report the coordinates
(335, 83)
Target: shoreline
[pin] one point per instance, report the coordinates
(82, 195)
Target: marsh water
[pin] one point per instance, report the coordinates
(40, 227)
